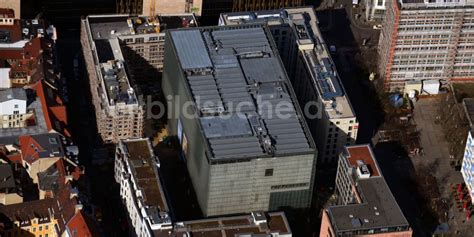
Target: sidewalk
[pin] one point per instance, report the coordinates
(436, 155)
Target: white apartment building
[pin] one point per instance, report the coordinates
(312, 72)
(13, 108)
(467, 168)
(136, 170)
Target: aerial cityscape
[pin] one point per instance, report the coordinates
(236, 118)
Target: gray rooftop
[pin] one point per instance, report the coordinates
(106, 32)
(7, 180)
(378, 210)
(48, 179)
(38, 128)
(237, 82)
(12, 93)
(113, 26)
(303, 23)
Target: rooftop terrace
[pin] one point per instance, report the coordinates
(247, 107)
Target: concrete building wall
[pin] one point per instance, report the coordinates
(114, 122)
(193, 143)
(422, 44)
(12, 4)
(155, 7)
(10, 198)
(246, 186)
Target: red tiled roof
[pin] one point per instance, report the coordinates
(53, 108)
(29, 148)
(82, 226)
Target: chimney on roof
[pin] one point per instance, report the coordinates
(259, 217)
(78, 208)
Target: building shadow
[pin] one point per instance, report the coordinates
(178, 186)
(354, 71)
(8, 228)
(399, 173)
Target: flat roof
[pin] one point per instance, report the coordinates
(143, 165)
(303, 23)
(238, 83)
(105, 32)
(230, 226)
(378, 208)
(38, 128)
(113, 26)
(12, 94)
(7, 180)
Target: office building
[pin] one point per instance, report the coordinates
(467, 167)
(426, 40)
(314, 77)
(236, 116)
(121, 54)
(365, 205)
(213, 8)
(153, 7)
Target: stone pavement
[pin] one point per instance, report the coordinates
(436, 155)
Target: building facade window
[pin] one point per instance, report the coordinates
(269, 172)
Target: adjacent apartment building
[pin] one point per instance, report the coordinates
(426, 40)
(365, 205)
(467, 168)
(213, 8)
(237, 118)
(137, 170)
(121, 53)
(13, 108)
(152, 7)
(312, 72)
